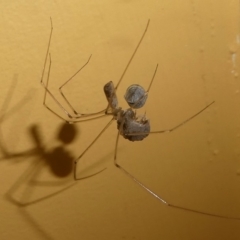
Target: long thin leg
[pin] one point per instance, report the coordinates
(187, 120)
(69, 104)
(47, 53)
(150, 85)
(177, 126)
(146, 93)
(91, 144)
(60, 88)
(48, 91)
(73, 118)
(134, 53)
(167, 203)
(157, 196)
(116, 147)
(45, 86)
(123, 74)
(128, 64)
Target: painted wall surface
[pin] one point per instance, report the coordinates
(196, 44)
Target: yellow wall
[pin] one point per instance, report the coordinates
(196, 45)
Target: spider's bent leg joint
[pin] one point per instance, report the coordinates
(117, 165)
(69, 115)
(76, 113)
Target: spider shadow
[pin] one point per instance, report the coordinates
(39, 158)
(57, 162)
(7, 155)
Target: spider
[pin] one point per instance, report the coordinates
(130, 126)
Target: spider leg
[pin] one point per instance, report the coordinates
(165, 202)
(131, 176)
(129, 62)
(185, 121)
(91, 144)
(146, 93)
(73, 118)
(60, 88)
(46, 85)
(134, 53)
(47, 53)
(66, 100)
(157, 196)
(150, 84)
(175, 127)
(47, 91)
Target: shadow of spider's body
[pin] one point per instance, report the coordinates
(129, 125)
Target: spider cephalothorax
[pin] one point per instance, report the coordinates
(129, 123)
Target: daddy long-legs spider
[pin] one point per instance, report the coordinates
(130, 126)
